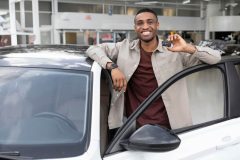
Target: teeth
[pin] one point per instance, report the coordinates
(145, 33)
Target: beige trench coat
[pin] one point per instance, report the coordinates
(165, 64)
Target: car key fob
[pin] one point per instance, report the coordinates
(167, 43)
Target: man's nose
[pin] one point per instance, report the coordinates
(145, 25)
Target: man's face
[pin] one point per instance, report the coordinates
(146, 26)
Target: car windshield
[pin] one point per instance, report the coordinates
(40, 108)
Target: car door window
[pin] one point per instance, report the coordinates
(199, 95)
(206, 95)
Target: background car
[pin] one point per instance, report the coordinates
(54, 103)
(226, 48)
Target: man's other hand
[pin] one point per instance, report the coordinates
(119, 80)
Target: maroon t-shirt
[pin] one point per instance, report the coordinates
(142, 83)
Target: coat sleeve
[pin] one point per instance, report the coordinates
(202, 55)
(104, 53)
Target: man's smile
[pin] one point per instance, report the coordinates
(146, 33)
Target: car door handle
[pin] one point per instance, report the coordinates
(227, 141)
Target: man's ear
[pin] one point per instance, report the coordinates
(135, 28)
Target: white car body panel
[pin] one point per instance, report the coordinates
(215, 142)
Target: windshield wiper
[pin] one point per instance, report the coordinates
(13, 155)
(10, 153)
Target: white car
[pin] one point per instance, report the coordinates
(54, 104)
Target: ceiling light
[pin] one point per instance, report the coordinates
(146, 3)
(186, 1)
(231, 4)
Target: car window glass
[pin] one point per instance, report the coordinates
(206, 95)
(42, 107)
(201, 94)
(197, 98)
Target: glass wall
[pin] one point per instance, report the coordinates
(83, 8)
(121, 8)
(111, 9)
(188, 13)
(85, 37)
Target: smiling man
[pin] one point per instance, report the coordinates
(138, 67)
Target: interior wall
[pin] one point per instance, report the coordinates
(122, 22)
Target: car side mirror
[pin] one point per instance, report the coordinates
(153, 138)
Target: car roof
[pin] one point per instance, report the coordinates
(46, 56)
(230, 58)
(54, 56)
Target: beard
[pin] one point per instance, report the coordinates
(147, 40)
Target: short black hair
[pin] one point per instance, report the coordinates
(146, 10)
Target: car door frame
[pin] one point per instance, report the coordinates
(233, 88)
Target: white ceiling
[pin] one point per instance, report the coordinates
(193, 4)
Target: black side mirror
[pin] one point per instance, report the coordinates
(152, 138)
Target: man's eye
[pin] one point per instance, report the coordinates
(139, 23)
(150, 22)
